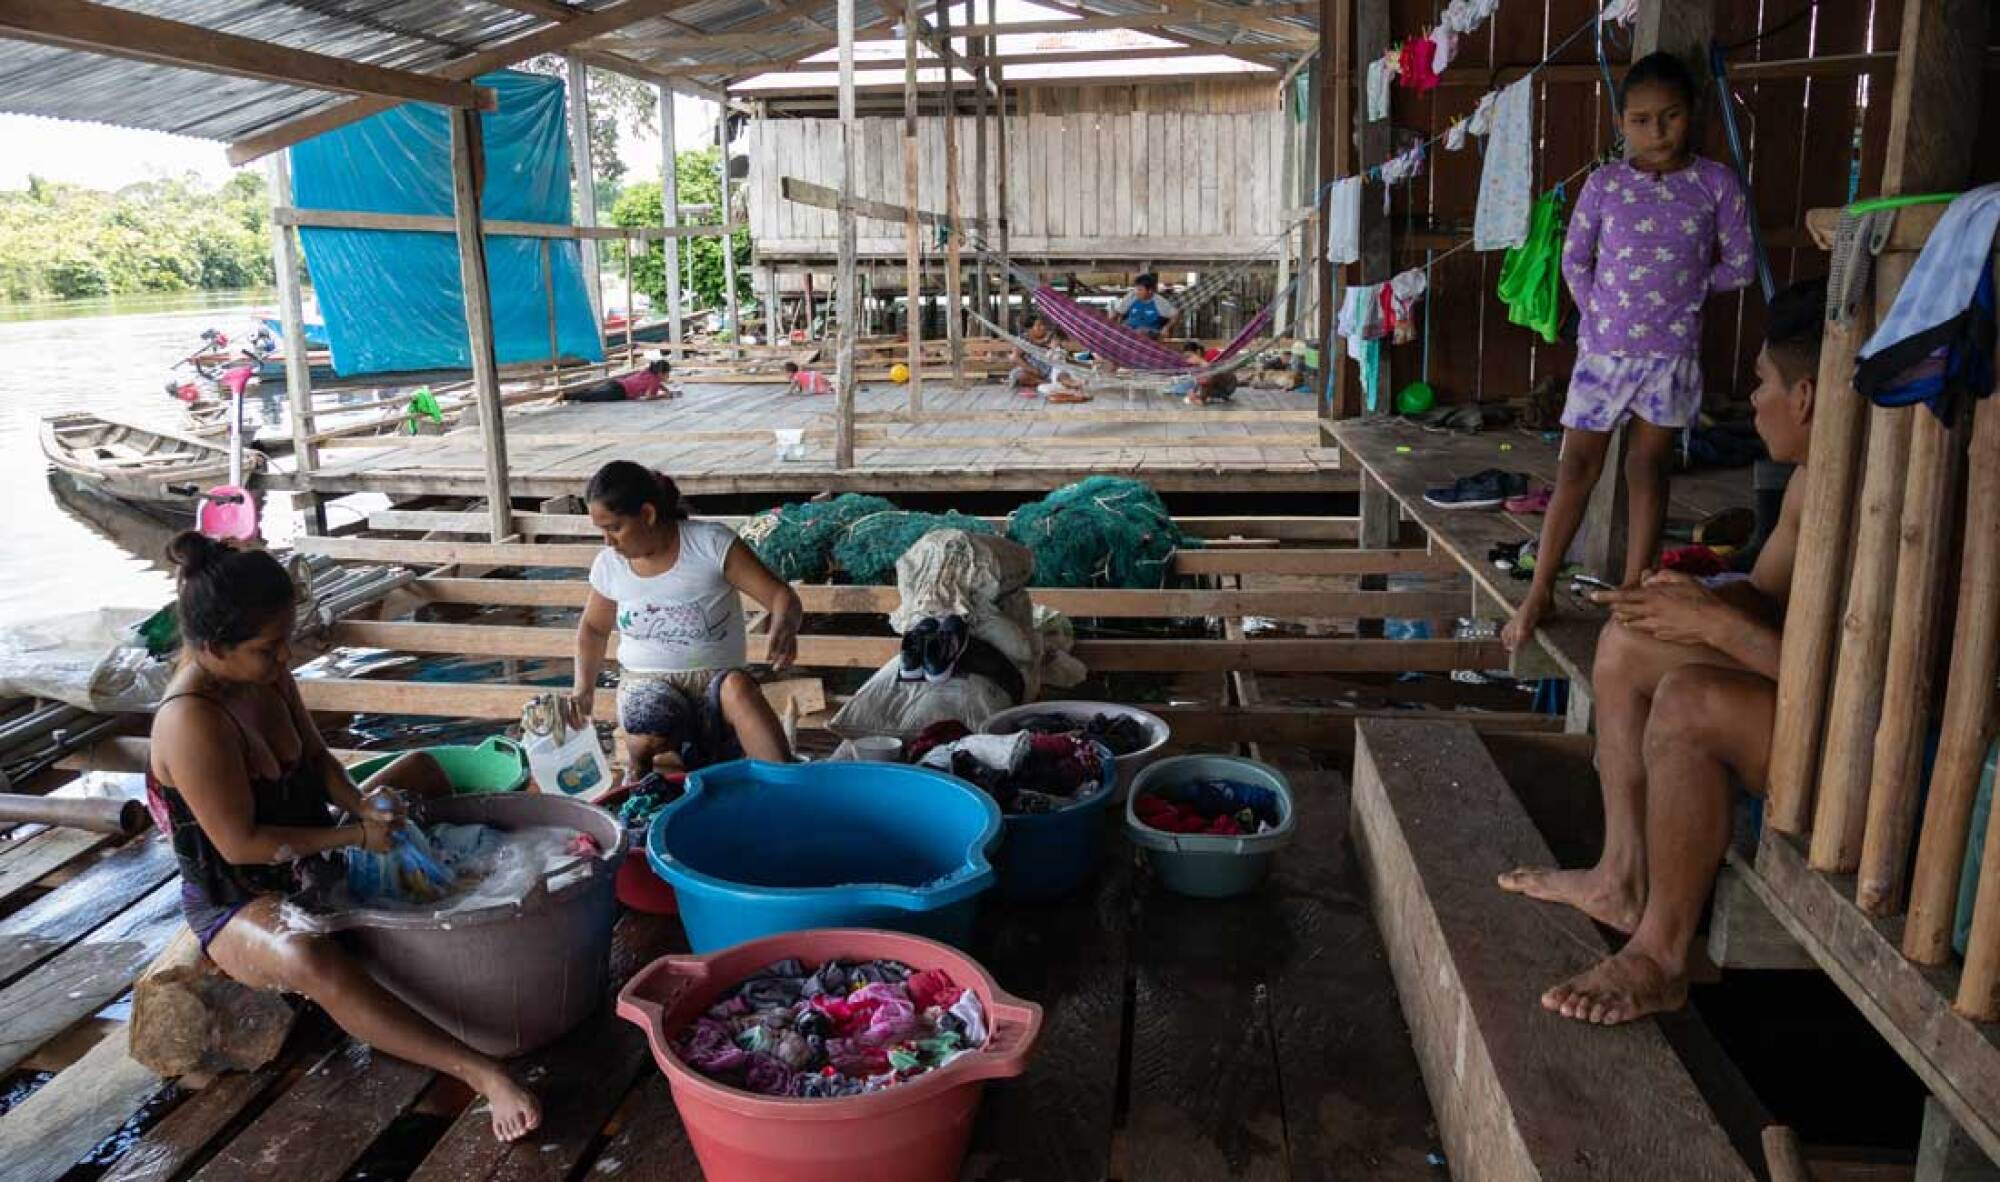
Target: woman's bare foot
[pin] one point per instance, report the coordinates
(1620, 988)
(1593, 892)
(1527, 617)
(516, 1112)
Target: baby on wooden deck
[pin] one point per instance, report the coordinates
(1686, 679)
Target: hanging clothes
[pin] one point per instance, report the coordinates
(1418, 73)
(1343, 221)
(1463, 16)
(1444, 43)
(1454, 136)
(1531, 274)
(1378, 90)
(1404, 292)
(1480, 122)
(1506, 185)
(1361, 323)
(1936, 345)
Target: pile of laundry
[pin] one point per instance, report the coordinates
(647, 798)
(843, 1029)
(1025, 773)
(1121, 734)
(451, 867)
(1219, 808)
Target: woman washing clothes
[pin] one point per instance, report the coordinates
(246, 791)
(669, 587)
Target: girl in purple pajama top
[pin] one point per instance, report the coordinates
(1652, 238)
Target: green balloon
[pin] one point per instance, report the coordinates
(1416, 398)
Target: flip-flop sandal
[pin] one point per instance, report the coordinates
(1063, 396)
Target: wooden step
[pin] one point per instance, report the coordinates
(1520, 1093)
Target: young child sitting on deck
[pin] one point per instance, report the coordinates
(1652, 237)
(808, 381)
(641, 385)
(1029, 370)
(1217, 387)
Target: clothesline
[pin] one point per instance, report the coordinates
(1434, 260)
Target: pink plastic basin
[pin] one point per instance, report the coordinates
(916, 1132)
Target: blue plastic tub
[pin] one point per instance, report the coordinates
(755, 849)
(1045, 856)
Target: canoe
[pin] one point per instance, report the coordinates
(142, 465)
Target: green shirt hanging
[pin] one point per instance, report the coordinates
(1531, 274)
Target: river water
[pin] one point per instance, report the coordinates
(111, 356)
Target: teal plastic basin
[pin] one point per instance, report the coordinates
(497, 765)
(1200, 864)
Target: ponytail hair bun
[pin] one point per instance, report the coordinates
(224, 596)
(625, 488)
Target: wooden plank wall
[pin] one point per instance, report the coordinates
(1799, 134)
(1140, 172)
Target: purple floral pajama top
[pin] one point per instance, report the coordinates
(1645, 251)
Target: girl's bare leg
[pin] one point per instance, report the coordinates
(1649, 456)
(255, 948)
(1582, 462)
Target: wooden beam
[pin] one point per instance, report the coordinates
(1080, 603)
(550, 40)
(118, 32)
(1143, 20)
(1433, 823)
(347, 219)
(670, 214)
(468, 169)
(583, 184)
(1065, 57)
(286, 266)
(1289, 655)
(530, 525)
(1907, 1004)
(954, 269)
(791, 188)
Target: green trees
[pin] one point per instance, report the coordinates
(67, 242)
(639, 205)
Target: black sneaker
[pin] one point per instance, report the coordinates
(915, 641)
(945, 647)
(1481, 490)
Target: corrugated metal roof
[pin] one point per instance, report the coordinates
(418, 35)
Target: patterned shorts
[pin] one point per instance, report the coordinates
(683, 707)
(1605, 388)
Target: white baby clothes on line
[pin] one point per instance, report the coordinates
(1454, 136)
(1405, 290)
(1446, 42)
(1343, 221)
(1463, 16)
(1506, 184)
(1378, 90)
(1481, 120)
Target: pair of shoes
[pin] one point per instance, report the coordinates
(932, 647)
(1531, 503)
(1481, 490)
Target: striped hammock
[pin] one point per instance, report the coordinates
(1130, 350)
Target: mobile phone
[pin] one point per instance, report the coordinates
(1591, 581)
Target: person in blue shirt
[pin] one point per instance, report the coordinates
(1144, 309)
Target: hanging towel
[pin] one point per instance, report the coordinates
(1531, 274)
(1506, 185)
(1361, 314)
(1343, 221)
(1936, 345)
(1378, 89)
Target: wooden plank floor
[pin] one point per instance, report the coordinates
(1406, 460)
(1253, 1038)
(717, 439)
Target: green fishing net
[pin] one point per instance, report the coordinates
(1105, 531)
(868, 551)
(796, 541)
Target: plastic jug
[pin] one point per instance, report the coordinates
(563, 752)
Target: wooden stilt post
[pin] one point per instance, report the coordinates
(772, 302)
(982, 283)
(549, 289)
(728, 241)
(954, 265)
(468, 174)
(670, 215)
(1337, 86)
(1006, 317)
(298, 367)
(1915, 620)
(845, 282)
(913, 283)
(1964, 739)
(1288, 157)
(631, 308)
(1932, 124)
(583, 173)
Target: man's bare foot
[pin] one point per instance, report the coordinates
(1527, 618)
(1620, 988)
(1592, 892)
(516, 1112)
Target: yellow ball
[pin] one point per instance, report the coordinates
(899, 373)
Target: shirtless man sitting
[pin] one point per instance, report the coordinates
(1687, 683)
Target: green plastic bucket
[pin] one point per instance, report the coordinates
(497, 765)
(1202, 865)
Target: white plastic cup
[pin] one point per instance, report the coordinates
(878, 749)
(791, 442)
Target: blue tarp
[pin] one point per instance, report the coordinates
(392, 300)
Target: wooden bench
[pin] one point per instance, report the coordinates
(1519, 1092)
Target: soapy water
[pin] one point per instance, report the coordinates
(481, 866)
